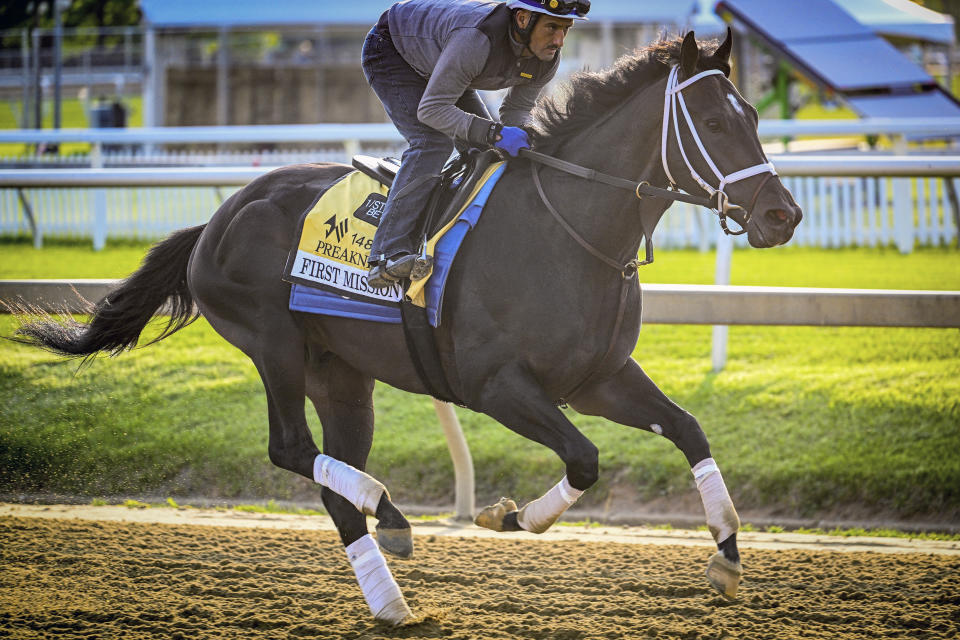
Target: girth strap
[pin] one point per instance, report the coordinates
(422, 345)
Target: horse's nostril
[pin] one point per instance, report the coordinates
(777, 216)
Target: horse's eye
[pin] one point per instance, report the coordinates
(715, 125)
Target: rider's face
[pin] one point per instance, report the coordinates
(548, 34)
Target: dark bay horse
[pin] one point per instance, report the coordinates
(531, 318)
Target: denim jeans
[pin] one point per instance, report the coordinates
(400, 89)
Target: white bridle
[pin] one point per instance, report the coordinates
(673, 95)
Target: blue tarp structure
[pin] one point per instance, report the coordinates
(829, 46)
(254, 13)
(901, 19)
(259, 13)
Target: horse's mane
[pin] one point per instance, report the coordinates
(589, 95)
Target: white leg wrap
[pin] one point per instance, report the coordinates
(362, 490)
(538, 515)
(379, 588)
(722, 519)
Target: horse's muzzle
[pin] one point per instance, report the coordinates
(774, 218)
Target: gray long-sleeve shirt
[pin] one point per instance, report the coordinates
(466, 44)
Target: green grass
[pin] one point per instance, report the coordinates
(72, 259)
(73, 115)
(926, 268)
(803, 419)
(878, 533)
(272, 507)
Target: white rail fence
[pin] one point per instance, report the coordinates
(867, 202)
(662, 303)
(160, 157)
(843, 205)
(838, 212)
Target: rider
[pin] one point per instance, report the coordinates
(425, 59)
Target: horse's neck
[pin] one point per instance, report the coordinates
(626, 144)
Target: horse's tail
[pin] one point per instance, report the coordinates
(119, 318)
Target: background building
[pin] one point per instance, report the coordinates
(238, 62)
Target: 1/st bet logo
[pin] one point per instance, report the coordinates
(339, 229)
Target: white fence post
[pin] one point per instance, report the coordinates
(31, 220)
(462, 461)
(99, 202)
(351, 147)
(902, 205)
(718, 352)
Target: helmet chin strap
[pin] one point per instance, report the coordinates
(523, 34)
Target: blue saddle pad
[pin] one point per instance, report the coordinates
(314, 300)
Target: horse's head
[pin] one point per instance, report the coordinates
(719, 149)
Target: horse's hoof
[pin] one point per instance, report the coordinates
(724, 576)
(397, 542)
(396, 613)
(492, 517)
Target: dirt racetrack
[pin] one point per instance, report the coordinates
(69, 578)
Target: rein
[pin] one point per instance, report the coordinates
(642, 188)
(717, 199)
(628, 271)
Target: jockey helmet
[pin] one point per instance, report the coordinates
(575, 9)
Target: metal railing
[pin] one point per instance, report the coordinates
(845, 202)
(943, 128)
(787, 165)
(662, 304)
(862, 199)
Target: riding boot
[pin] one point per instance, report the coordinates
(397, 268)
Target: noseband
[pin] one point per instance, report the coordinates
(672, 98)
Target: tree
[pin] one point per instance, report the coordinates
(20, 14)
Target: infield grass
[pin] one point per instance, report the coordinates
(803, 421)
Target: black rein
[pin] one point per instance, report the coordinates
(628, 271)
(642, 188)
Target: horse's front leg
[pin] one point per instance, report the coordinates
(631, 398)
(515, 399)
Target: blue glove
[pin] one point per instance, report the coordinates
(512, 139)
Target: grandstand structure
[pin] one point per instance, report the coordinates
(242, 62)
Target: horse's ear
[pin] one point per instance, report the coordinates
(723, 51)
(689, 54)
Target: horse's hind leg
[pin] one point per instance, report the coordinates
(631, 398)
(280, 357)
(346, 410)
(343, 399)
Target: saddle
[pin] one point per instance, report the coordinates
(451, 188)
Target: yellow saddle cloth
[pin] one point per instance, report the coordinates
(335, 239)
(337, 233)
